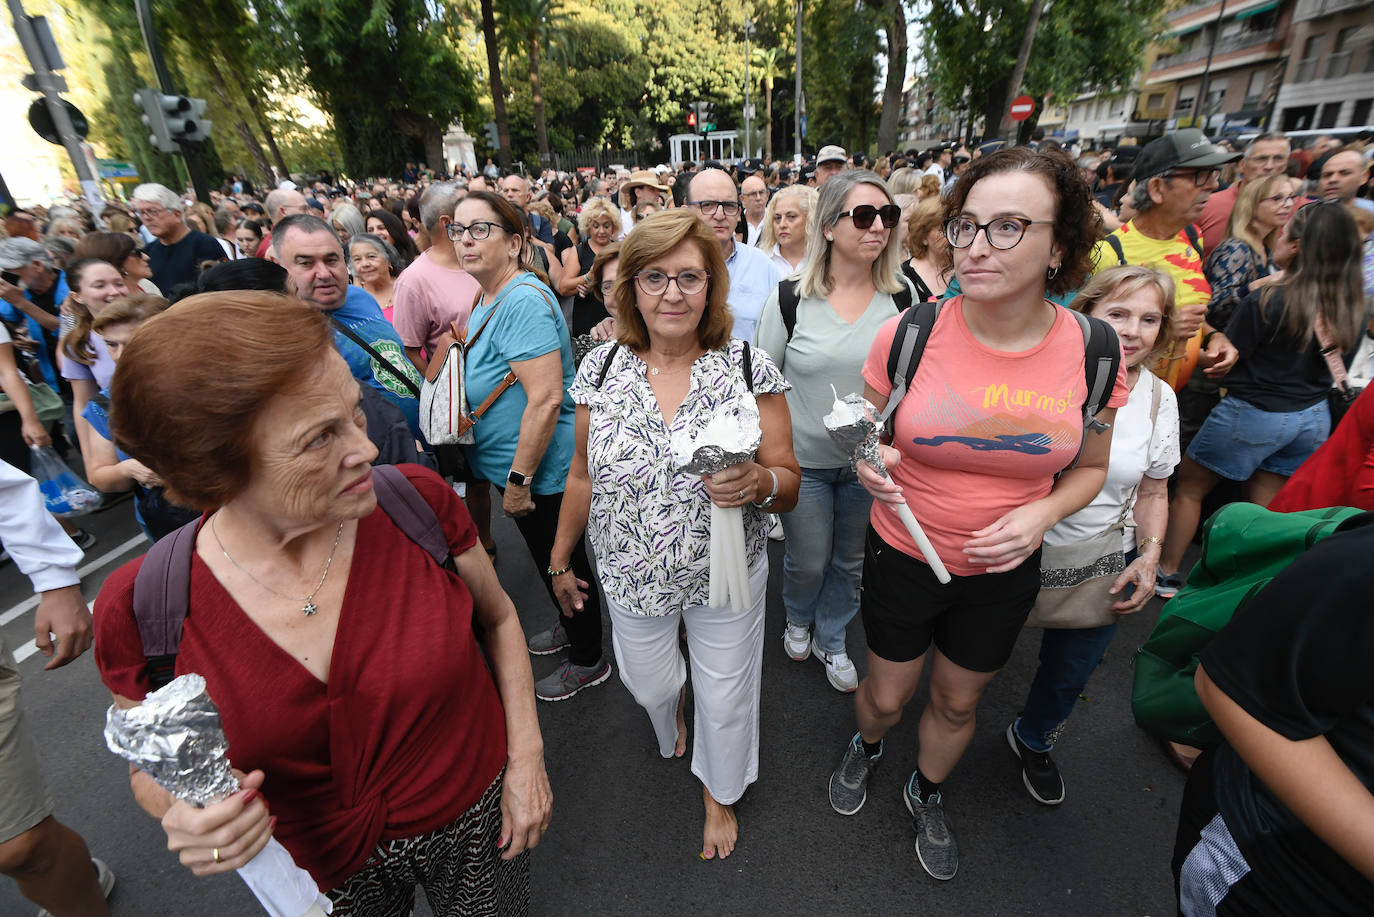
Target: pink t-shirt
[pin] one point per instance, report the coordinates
(981, 431)
(428, 297)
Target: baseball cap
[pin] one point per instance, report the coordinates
(750, 166)
(831, 153)
(1184, 149)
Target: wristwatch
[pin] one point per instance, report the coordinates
(516, 479)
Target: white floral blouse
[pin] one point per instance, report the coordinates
(649, 525)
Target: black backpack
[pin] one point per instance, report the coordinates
(789, 298)
(1194, 240)
(1101, 360)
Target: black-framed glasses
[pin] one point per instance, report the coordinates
(480, 229)
(864, 215)
(1002, 233)
(709, 208)
(689, 282)
(1201, 177)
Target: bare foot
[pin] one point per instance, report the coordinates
(681, 747)
(722, 830)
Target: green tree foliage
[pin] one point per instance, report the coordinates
(971, 46)
(840, 48)
(388, 75)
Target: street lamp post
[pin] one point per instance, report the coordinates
(748, 109)
(799, 101)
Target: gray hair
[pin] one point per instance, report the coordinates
(307, 223)
(59, 247)
(350, 218)
(438, 201)
(1140, 196)
(388, 251)
(153, 193)
(1264, 138)
(814, 276)
(19, 251)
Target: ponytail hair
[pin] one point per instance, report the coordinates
(75, 343)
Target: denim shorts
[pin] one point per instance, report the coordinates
(1238, 439)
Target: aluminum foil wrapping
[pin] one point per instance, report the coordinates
(852, 425)
(732, 436)
(176, 736)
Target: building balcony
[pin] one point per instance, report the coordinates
(1241, 42)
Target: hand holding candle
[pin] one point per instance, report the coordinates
(175, 736)
(852, 424)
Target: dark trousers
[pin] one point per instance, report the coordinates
(539, 529)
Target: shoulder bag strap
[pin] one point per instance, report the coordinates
(1335, 362)
(788, 301)
(371, 352)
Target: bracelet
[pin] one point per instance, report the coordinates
(1207, 338)
(553, 572)
(766, 502)
(1153, 539)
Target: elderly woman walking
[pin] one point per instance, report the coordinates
(672, 368)
(381, 745)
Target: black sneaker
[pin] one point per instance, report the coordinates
(936, 847)
(84, 540)
(1038, 771)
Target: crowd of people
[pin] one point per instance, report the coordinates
(1071, 351)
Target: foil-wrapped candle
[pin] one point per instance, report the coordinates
(853, 426)
(176, 737)
(731, 436)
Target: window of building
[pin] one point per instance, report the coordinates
(1360, 115)
(1339, 63)
(1307, 65)
(1154, 101)
(1254, 90)
(1331, 113)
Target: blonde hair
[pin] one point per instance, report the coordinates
(905, 180)
(814, 279)
(927, 215)
(1124, 280)
(597, 208)
(658, 235)
(1247, 202)
(806, 202)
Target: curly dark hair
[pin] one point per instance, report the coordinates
(1077, 226)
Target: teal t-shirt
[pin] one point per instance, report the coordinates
(525, 323)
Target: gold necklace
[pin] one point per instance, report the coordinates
(309, 608)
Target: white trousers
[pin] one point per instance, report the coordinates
(726, 654)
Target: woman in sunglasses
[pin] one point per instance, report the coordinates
(992, 414)
(124, 252)
(844, 293)
(673, 366)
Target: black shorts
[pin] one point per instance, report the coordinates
(974, 620)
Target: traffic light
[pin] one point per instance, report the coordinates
(157, 110)
(191, 125)
(708, 117)
(493, 138)
(692, 120)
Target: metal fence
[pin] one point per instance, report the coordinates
(599, 159)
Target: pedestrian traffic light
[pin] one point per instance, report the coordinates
(708, 117)
(493, 138)
(157, 110)
(692, 120)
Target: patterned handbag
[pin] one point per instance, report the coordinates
(1075, 579)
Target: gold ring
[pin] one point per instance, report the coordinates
(216, 852)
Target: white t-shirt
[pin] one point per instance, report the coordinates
(5, 335)
(1137, 451)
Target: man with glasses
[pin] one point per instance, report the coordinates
(1174, 177)
(753, 275)
(1266, 155)
(176, 252)
(753, 193)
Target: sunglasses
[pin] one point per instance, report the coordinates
(864, 215)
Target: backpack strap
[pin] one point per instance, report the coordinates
(908, 343)
(1115, 242)
(411, 512)
(789, 297)
(1101, 362)
(1194, 238)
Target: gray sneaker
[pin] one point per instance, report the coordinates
(550, 641)
(568, 679)
(935, 845)
(849, 783)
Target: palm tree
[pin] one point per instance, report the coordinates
(525, 25)
(766, 60)
(498, 89)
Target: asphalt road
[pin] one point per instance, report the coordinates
(627, 824)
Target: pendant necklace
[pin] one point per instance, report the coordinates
(309, 608)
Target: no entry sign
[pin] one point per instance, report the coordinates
(1021, 108)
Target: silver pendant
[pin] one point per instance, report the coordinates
(653, 371)
(309, 609)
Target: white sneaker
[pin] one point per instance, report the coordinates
(797, 641)
(103, 874)
(839, 670)
(775, 528)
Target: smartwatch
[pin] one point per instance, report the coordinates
(516, 479)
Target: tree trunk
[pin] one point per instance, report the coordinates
(498, 90)
(244, 131)
(768, 118)
(896, 77)
(433, 140)
(541, 131)
(1019, 72)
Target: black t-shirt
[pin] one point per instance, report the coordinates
(173, 265)
(587, 311)
(1299, 657)
(1274, 372)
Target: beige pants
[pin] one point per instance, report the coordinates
(24, 800)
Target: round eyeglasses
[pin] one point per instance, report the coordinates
(689, 282)
(1002, 233)
(478, 229)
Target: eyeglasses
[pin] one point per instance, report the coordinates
(150, 213)
(479, 230)
(689, 283)
(754, 195)
(1279, 199)
(608, 286)
(1002, 233)
(864, 215)
(709, 208)
(1201, 177)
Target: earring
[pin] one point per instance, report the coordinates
(1052, 272)
(829, 237)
